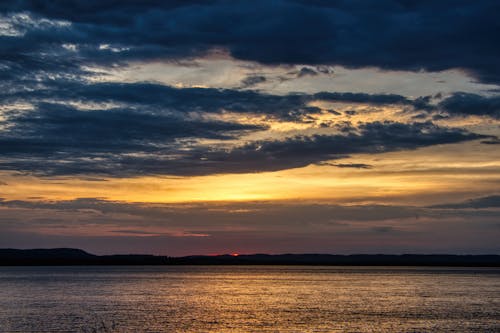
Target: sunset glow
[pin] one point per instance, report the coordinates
(270, 128)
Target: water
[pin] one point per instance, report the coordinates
(248, 299)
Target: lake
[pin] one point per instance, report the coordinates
(249, 299)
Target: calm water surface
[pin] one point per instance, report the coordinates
(248, 299)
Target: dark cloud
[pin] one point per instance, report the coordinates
(141, 133)
(439, 116)
(421, 103)
(347, 165)
(313, 71)
(466, 104)
(374, 137)
(59, 139)
(252, 80)
(389, 34)
(55, 139)
(493, 141)
(156, 129)
(478, 203)
(300, 151)
(56, 127)
(211, 100)
(383, 229)
(331, 111)
(305, 71)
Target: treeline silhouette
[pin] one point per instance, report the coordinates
(66, 256)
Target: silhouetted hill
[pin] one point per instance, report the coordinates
(343, 260)
(65, 256)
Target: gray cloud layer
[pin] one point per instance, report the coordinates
(477, 203)
(179, 229)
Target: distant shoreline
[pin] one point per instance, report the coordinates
(76, 257)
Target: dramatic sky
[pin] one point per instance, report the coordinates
(207, 127)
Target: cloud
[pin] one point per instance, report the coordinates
(313, 71)
(493, 141)
(478, 203)
(100, 225)
(130, 129)
(384, 229)
(376, 137)
(59, 140)
(303, 150)
(55, 127)
(466, 104)
(179, 214)
(154, 133)
(207, 100)
(75, 127)
(252, 80)
(73, 141)
(305, 71)
(347, 165)
(395, 35)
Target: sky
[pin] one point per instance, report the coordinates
(211, 127)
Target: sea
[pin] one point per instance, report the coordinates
(249, 299)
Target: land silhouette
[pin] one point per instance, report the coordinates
(69, 256)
